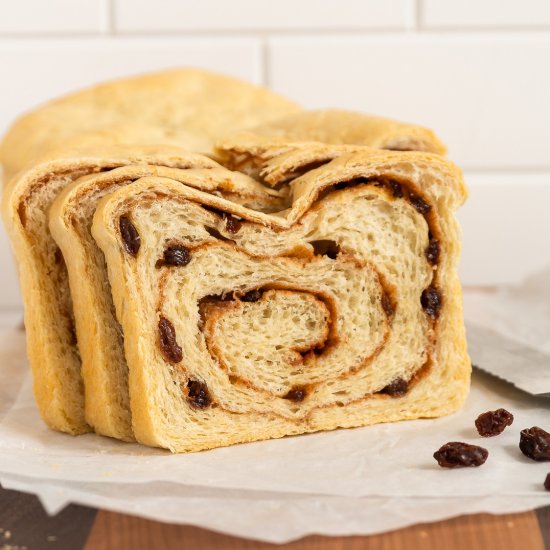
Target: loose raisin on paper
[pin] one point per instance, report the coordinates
(460, 455)
(493, 423)
(535, 443)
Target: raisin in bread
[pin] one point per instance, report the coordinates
(104, 370)
(344, 312)
(164, 107)
(49, 320)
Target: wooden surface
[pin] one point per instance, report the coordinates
(25, 526)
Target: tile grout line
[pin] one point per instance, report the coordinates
(107, 17)
(419, 9)
(411, 16)
(412, 26)
(265, 61)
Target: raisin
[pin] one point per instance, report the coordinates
(387, 306)
(198, 394)
(252, 295)
(296, 394)
(169, 347)
(419, 203)
(58, 256)
(431, 301)
(460, 455)
(432, 251)
(493, 422)
(130, 236)
(396, 388)
(396, 189)
(547, 482)
(177, 255)
(231, 224)
(535, 443)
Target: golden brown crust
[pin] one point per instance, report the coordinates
(185, 107)
(336, 127)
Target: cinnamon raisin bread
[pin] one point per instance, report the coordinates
(49, 319)
(104, 370)
(165, 107)
(344, 312)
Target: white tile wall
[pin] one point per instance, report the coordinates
(52, 16)
(487, 95)
(192, 15)
(505, 226)
(467, 14)
(475, 70)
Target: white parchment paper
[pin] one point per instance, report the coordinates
(358, 481)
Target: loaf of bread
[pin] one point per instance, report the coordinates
(104, 370)
(49, 317)
(343, 311)
(186, 107)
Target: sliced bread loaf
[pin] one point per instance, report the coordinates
(104, 370)
(49, 319)
(344, 312)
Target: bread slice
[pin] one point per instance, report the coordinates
(344, 312)
(178, 107)
(51, 337)
(104, 370)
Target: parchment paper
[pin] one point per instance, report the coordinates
(358, 481)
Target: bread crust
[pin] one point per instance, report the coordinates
(338, 127)
(185, 107)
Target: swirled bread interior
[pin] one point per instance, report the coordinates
(49, 314)
(240, 326)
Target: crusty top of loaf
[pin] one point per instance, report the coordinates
(174, 104)
(335, 126)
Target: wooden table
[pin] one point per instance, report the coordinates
(25, 525)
